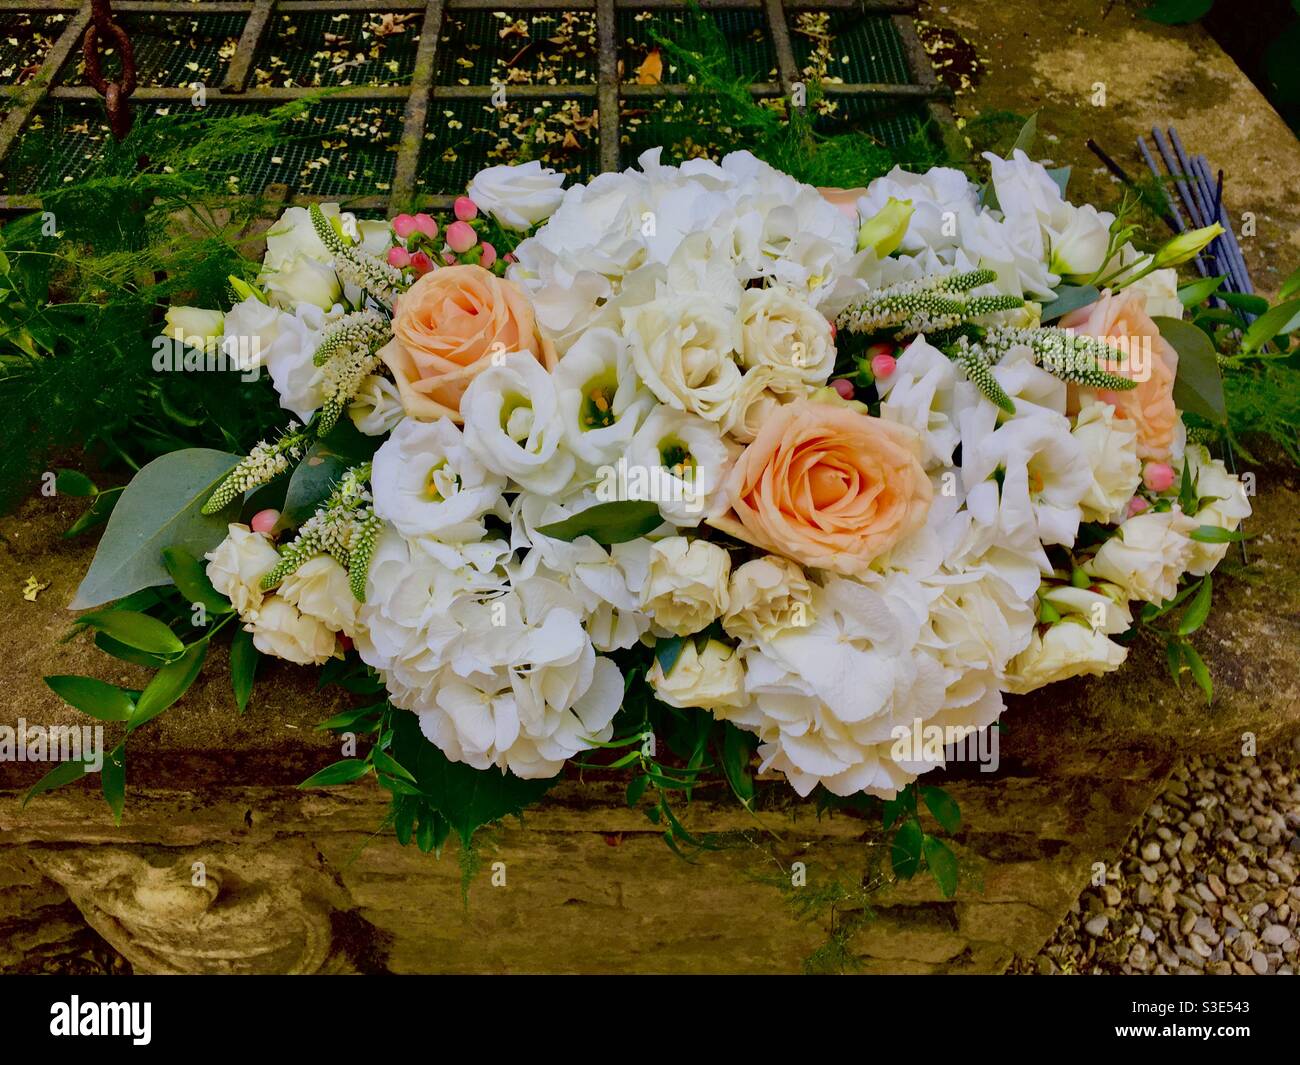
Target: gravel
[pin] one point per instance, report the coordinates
(1208, 883)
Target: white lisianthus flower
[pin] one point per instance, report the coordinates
(1161, 290)
(1079, 248)
(513, 424)
(766, 596)
(686, 586)
(761, 391)
(675, 459)
(196, 327)
(293, 235)
(1044, 473)
(1111, 446)
(300, 384)
(781, 330)
(600, 398)
(377, 407)
(250, 328)
(1147, 555)
(518, 196)
(280, 629)
(711, 679)
(1013, 249)
(683, 348)
(1225, 506)
(921, 394)
(1025, 189)
(237, 565)
(427, 482)
(302, 280)
(1067, 649)
(319, 589)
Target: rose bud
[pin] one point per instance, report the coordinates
(1158, 476)
(489, 256)
(264, 521)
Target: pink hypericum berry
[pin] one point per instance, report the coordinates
(421, 263)
(834, 330)
(426, 225)
(399, 257)
(882, 365)
(1137, 505)
(465, 209)
(1158, 476)
(404, 225)
(489, 256)
(844, 387)
(461, 236)
(264, 521)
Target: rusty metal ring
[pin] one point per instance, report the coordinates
(119, 110)
(94, 72)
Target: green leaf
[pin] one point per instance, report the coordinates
(737, 750)
(320, 470)
(73, 483)
(96, 514)
(140, 631)
(160, 508)
(1199, 291)
(63, 773)
(1291, 286)
(1174, 659)
(636, 788)
(387, 764)
(1178, 12)
(191, 579)
(339, 773)
(1061, 176)
(1245, 301)
(467, 798)
(169, 684)
(1198, 386)
(1200, 671)
(615, 522)
(1276, 321)
(112, 779)
(98, 698)
(942, 864)
(1069, 298)
(348, 718)
(1026, 137)
(905, 851)
(126, 653)
(1198, 610)
(1212, 534)
(667, 651)
(432, 832)
(943, 807)
(243, 667)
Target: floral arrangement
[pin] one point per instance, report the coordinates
(825, 468)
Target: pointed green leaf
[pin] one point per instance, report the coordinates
(1200, 671)
(243, 667)
(73, 483)
(1198, 610)
(140, 631)
(737, 750)
(61, 774)
(1199, 291)
(905, 851)
(1212, 534)
(169, 684)
(615, 522)
(1276, 321)
(97, 513)
(943, 807)
(98, 698)
(1198, 385)
(191, 578)
(1069, 298)
(343, 772)
(112, 779)
(942, 864)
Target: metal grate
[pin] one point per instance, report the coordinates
(415, 114)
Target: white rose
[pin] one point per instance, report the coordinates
(513, 424)
(1067, 649)
(675, 459)
(601, 401)
(683, 347)
(686, 588)
(518, 196)
(280, 629)
(1225, 508)
(302, 280)
(1111, 446)
(237, 565)
(427, 482)
(1161, 290)
(319, 589)
(766, 596)
(761, 391)
(711, 679)
(781, 330)
(1147, 555)
(377, 407)
(1105, 608)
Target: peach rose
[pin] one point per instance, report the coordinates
(828, 486)
(843, 200)
(1150, 406)
(446, 328)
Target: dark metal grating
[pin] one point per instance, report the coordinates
(416, 115)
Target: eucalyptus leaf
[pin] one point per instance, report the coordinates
(1060, 175)
(320, 470)
(1069, 298)
(98, 698)
(160, 508)
(1198, 386)
(667, 651)
(615, 522)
